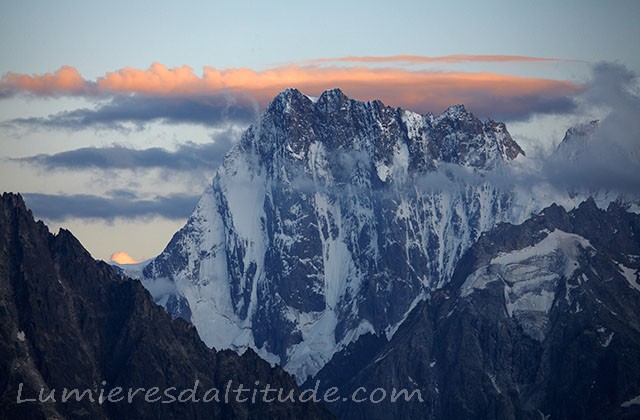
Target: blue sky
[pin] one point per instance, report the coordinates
(97, 36)
(99, 40)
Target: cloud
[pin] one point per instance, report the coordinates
(65, 81)
(157, 79)
(210, 110)
(607, 155)
(122, 193)
(121, 257)
(486, 94)
(160, 287)
(600, 158)
(188, 156)
(85, 206)
(178, 94)
(450, 59)
(609, 159)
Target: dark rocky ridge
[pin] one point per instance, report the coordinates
(472, 360)
(67, 320)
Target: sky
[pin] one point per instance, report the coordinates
(114, 115)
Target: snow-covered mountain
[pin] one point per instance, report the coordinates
(330, 219)
(575, 141)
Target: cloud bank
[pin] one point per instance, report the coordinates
(188, 156)
(599, 158)
(178, 94)
(122, 111)
(58, 208)
(607, 154)
(65, 81)
(449, 59)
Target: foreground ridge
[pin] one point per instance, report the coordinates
(68, 321)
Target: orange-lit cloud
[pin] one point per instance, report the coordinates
(121, 257)
(422, 91)
(451, 59)
(67, 80)
(158, 79)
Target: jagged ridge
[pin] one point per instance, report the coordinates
(540, 320)
(68, 321)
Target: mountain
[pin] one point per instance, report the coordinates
(540, 320)
(70, 322)
(331, 219)
(598, 159)
(576, 141)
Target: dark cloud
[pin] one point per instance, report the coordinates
(522, 108)
(84, 206)
(208, 110)
(608, 157)
(188, 156)
(599, 157)
(122, 194)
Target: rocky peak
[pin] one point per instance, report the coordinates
(581, 131)
(576, 141)
(333, 97)
(287, 106)
(293, 122)
(457, 112)
(68, 321)
(509, 148)
(286, 96)
(462, 138)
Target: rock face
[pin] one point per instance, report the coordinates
(331, 219)
(541, 320)
(68, 321)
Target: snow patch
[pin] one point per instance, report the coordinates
(632, 401)
(133, 270)
(21, 336)
(608, 340)
(528, 272)
(400, 162)
(630, 275)
(578, 309)
(530, 277)
(493, 382)
(316, 348)
(634, 208)
(383, 171)
(383, 356)
(392, 329)
(568, 243)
